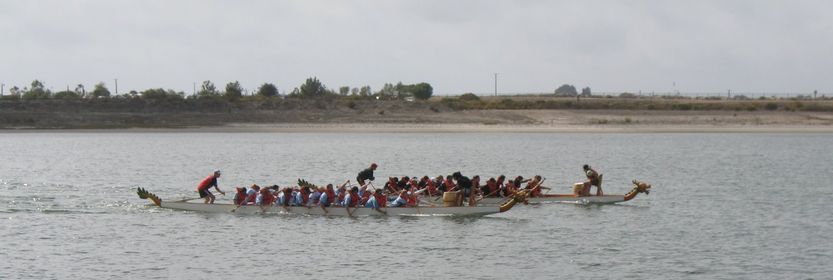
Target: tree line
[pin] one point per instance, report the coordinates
(312, 88)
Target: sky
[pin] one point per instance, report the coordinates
(456, 46)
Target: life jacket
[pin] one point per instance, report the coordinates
(304, 196)
(354, 200)
(239, 196)
(207, 183)
(382, 200)
(414, 186)
(412, 199)
(449, 185)
(536, 192)
(331, 196)
(268, 198)
(251, 198)
(365, 198)
(287, 196)
(432, 188)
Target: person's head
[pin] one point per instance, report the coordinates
(405, 178)
(476, 177)
(585, 167)
(448, 177)
(217, 173)
(373, 166)
(501, 178)
(425, 178)
(378, 192)
(457, 175)
(537, 178)
(492, 180)
(322, 189)
(329, 186)
(519, 178)
(255, 187)
(354, 189)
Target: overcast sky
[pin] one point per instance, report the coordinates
(456, 46)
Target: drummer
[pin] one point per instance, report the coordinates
(206, 184)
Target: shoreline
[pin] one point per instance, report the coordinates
(444, 128)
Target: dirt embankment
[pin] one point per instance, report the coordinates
(110, 114)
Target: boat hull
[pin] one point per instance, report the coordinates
(333, 211)
(560, 198)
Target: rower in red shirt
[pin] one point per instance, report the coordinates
(206, 184)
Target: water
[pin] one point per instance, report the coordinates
(729, 206)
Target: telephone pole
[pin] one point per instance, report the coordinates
(496, 84)
(117, 86)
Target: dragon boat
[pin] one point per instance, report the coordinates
(638, 187)
(188, 205)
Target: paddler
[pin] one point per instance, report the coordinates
(366, 174)
(239, 195)
(206, 184)
(377, 201)
(401, 200)
(593, 179)
(463, 186)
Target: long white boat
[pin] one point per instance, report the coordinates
(335, 211)
(639, 187)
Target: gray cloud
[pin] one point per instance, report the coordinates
(772, 46)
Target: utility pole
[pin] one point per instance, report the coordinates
(117, 86)
(495, 84)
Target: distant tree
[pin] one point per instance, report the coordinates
(208, 89)
(469, 97)
(100, 91)
(586, 92)
(15, 92)
(66, 94)
(268, 90)
(388, 91)
(422, 91)
(158, 93)
(343, 91)
(365, 91)
(566, 90)
(313, 88)
(37, 91)
(233, 90)
(354, 91)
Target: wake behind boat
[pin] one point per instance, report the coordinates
(186, 205)
(639, 187)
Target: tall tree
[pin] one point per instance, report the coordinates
(566, 90)
(208, 89)
(422, 91)
(313, 88)
(233, 90)
(268, 90)
(37, 91)
(100, 91)
(343, 91)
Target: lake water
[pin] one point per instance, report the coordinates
(753, 206)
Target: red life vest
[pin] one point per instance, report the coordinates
(365, 198)
(432, 189)
(251, 198)
(268, 198)
(448, 185)
(240, 196)
(206, 183)
(354, 200)
(331, 196)
(304, 195)
(412, 200)
(382, 200)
